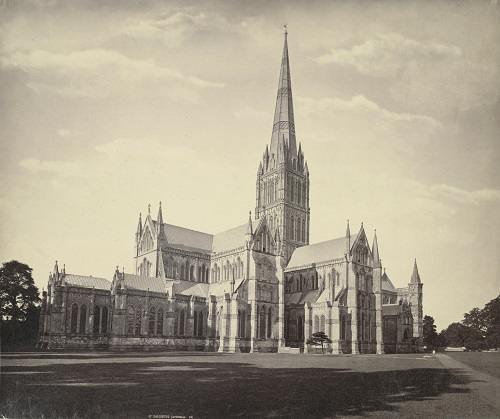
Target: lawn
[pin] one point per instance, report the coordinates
(488, 362)
(141, 385)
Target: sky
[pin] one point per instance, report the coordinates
(106, 107)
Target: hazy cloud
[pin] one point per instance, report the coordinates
(357, 104)
(387, 54)
(174, 28)
(486, 197)
(101, 73)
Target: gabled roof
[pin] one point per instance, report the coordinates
(319, 252)
(230, 239)
(87, 282)
(197, 289)
(386, 283)
(310, 296)
(219, 288)
(144, 283)
(186, 239)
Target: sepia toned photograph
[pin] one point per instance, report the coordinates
(222, 208)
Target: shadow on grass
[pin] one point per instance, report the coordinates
(212, 389)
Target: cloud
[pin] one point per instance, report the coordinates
(102, 73)
(387, 54)
(357, 104)
(484, 197)
(63, 132)
(176, 27)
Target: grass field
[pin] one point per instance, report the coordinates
(488, 362)
(77, 385)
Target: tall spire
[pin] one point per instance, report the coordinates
(415, 277)
(284, 124)
(347, 239)
(159, 220)
(376, 256)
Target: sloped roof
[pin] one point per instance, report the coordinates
(191, 288)
(87, 282)
(186, 239)
(319, 252)
(310, 296)
(144, 283)
(219, 288)
(230, 239)
(387, 284)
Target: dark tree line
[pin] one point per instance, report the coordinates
(479, 329)
(19, 305)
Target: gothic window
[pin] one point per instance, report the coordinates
(182, 271)
(200, 323)
(303, 231)
(104, 320)
(74, 318)
(195, 323)
(182, 323)
(316, 324)
(176, 323)
(242, 270)
(138, 320)
(343, 327)
(97, 315)
(130, 320)
(322, 324)
(262, 323)
(186, 270)
(299, 232)
(218, 274)
(83, 318)
(287, 325)
(174, 271)
(200, 278)
(292, 228)
(338, 278)
(191, 273)
(300, 328)
(152, 320)
(269, 322)
(204, 273)
(159, 322)
(299, 196)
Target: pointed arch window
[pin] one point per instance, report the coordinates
(159, 321)
(200, 323)
(130, 319)
(74, 318)
(322, 324)
(152, 320)
(195, 323)
(83, 319)
(316, 324)
(97, 318)
(138, 320)
(300, 328)
(104, 319)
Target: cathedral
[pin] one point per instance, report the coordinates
(258, 287)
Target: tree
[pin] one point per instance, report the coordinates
(430, 334)
(319, 338)
(19, 299)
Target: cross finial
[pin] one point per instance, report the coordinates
(286, 30)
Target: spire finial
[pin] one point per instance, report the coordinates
(286, 29)
(149, 208)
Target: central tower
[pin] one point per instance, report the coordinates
(283, 177)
